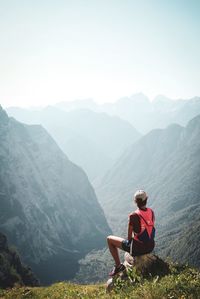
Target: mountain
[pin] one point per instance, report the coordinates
(91, 140)
(48, 208)
(161, 112)
(78, 104)
(143, 114)
(12, 271)
(166, 164)
(134, 109)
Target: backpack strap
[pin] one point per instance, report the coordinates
(145, 219)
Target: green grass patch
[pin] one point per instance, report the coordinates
(182, 283)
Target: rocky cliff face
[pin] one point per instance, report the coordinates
(12, 271)
(49, 210)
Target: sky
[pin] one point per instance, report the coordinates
(61, 50)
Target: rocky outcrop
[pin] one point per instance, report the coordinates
(145, 266)
(12, 271)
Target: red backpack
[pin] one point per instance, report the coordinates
(147, 231)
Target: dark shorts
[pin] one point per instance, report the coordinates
(137, 247)
(126, 245)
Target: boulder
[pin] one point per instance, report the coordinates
(147, 265)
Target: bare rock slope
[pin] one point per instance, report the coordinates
(48, 208)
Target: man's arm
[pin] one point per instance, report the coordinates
(130, 230)
(133, 225)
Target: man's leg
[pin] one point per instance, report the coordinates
(114, 243)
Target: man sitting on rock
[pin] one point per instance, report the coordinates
(141, 233)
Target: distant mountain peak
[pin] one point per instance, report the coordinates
(138, 98)
(76, 104)
(195, 99)
(3, 112)
(194, 122)
(161, 98)
(3, 116)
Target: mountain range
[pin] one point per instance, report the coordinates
(49, 209)
(164, 161)
(92, 140)
(94, 136)
(142, 113)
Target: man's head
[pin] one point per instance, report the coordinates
(140, 198)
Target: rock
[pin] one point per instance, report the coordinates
(12, 271)
(109, 285)
(3, 242)
(147, 264)
(111, 281)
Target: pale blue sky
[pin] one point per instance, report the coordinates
(102, 49)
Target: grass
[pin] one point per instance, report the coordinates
(181, 283)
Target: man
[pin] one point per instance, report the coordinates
(141, 233)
